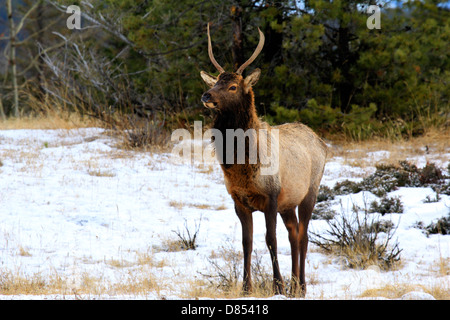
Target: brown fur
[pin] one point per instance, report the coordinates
(302, 156)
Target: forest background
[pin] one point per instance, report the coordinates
(135, 64)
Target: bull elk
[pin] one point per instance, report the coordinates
(301, 156)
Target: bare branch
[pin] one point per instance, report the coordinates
(20, 25)
(41, 52)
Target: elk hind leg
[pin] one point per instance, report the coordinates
(270, 214)
(304, 215)
(291, 223)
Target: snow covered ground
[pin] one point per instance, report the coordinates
(75, 206)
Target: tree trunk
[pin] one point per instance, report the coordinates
(12, 57)
(237, 48)
(274, 39)
(344, 63)
(2, 111)
(40, 39)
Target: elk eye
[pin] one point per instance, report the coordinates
(232, 88)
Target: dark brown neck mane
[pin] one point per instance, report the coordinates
(240, 116)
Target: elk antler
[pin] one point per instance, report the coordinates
(211, 55)
(255, 54)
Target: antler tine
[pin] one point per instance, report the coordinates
(255, 54)
(211, 55)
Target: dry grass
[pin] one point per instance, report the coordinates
(50, 122)
(101, 173)
(18, 284)
(138, 279)
(434, 142)
(444, 266)
(439, 290)
(203, 206)
(224, 281)
(438, 286)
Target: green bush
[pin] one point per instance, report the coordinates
(359, 123)
(282, 115)
(430, 174)
(347, 187)
(441, 226)
(321, 117)
(443, 188)
(387, 205)
(325, 194)
(323, 211)
(388, 178)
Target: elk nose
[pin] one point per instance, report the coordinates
(206, 97)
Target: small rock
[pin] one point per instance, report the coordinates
(375, 268)
(417, 295)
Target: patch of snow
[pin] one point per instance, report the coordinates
(72, 204)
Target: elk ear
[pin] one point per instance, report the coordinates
(252, 79)
(209, 79)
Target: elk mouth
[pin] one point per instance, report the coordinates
(210, 105)
(207, 101)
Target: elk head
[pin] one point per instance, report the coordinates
(230, 88)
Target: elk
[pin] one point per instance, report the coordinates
(301, 155)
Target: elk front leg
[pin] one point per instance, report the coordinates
(245, 216)
(270, 214)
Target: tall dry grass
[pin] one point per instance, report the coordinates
(433, 144)
(50, 112)
(66, 109)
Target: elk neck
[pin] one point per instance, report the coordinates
(241, 115)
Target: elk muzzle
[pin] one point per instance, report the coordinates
(207, 100)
